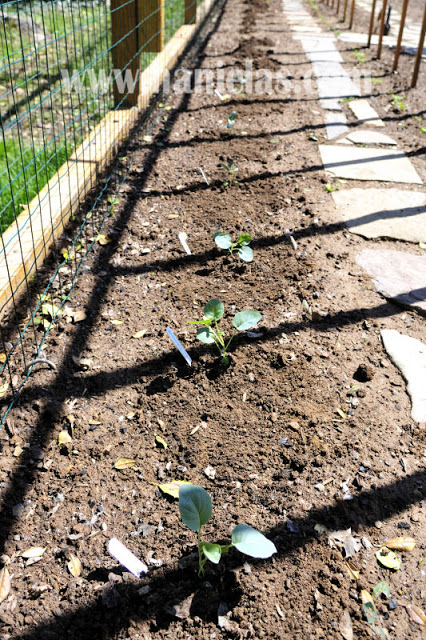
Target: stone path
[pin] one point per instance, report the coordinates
(372, 212)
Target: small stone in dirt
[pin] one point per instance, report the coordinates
(247, 567)
(364, 373)
(144, 590)
(392, 604)
(404, 525)
(210, 472)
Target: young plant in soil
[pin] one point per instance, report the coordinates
(231, 170)
(209, 331)
(195, 507)
(241, 246)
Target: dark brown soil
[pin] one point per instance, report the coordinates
(271, 425)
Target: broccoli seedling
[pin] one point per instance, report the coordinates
(213, 312)
(195, 507)
(231, 120)
(241, 246)
(398, 103)
(231, 170)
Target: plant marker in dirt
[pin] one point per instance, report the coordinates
(126, 557)
(205, 177)
(178, 345)
(183, 237)
(219, 95)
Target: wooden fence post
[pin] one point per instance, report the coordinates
(382, 28)
(125, 52)
(401, 29)
(419, 51)
(371, 26)
(190, 11)
(151, 25)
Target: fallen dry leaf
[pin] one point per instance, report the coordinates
(102, 239)
(388, 559)
(352, 570)
(125, 463)
(3, 358)
(74, 566)
(401, 544)
(3, 389)
(4, 584)
(140, 334)
(64, 437)
(159, 440)
(33, 552)
(416, 614)
(171, 488)
(117, 322)
(345, 626)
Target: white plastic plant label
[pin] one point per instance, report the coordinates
(126, 557)
(178, 345)
(183, 240)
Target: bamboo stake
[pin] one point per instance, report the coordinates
(382, 28)
(419, 51)
(344, 10)
(371, 26)
(401, 29)
(338, 7)
(351, 21)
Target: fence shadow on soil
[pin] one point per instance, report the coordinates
(172, 586)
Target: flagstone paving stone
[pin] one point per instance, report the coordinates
(364, 112)
(361, 163)
(383, 213)
(397, 275)
(409, 355)
(362, 136)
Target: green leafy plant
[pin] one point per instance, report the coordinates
(209, 332)
(195, 507)
(359, 57)
(398, 102)
(231, 170)
(331, 187)
(231, 120)
(241, 246)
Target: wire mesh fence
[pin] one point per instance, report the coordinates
(71, 74)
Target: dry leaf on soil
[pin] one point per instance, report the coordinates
(33, 552)
(74, 566)
(345, 626)
(388, 559)
(125, 463)
(4, 584)
(140, 334)
(64, 437)
(171, 488)
(352, 570)
(161, 441)
(416, 614)
(401, 544)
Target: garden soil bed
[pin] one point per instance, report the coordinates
(292, 437)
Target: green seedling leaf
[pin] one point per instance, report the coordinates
(214, 309)
(206, 335)
(212, 552)
(388, 559)
(244, 238)
(171, 488)
(379, 588)
(252, 542)
(195, 506)
(231, 120)
(246, 319)
(246, 253)
(223, 240)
